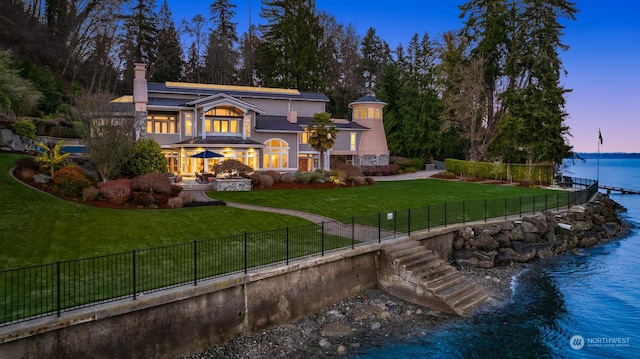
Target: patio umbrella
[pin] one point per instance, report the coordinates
(207, 154)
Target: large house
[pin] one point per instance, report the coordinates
(261, 127)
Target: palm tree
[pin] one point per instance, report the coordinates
(322, 134)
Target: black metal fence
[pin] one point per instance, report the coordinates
(51, 289)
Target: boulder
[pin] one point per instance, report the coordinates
(503, 240)
(9, 139)
(465, 233)
(489, 229)
(543, 251)
(528, 227)
(505, 256)
(483, 242)
(523, 252)
(587, 240)
(42, 178)
(581, 226)
(507, 226)
(516, 234)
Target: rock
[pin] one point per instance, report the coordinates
(335, 330)
(383, 315)
(528, 227)
(465, 233)
(516, 234)
(495, 280)
(41, 178)
(375, 326)
(505, 256)
(503, 240)
(507, 226)
(324, 343)
(581, 226)
(341, 349)
(418, 311)
(543, 251)
(483, 242)
(458, 243)
(532, 237)
(9, 139)
(523, 252)
(577, 209)
(587, 240)
(355, 345)
(489, 229)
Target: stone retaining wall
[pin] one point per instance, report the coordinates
(539, 236)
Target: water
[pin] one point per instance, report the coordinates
(595, 294)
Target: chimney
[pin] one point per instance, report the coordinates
(292, 116)
(140, 95)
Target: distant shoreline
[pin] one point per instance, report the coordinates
(608, 155)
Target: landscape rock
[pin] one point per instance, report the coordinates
(42, 178)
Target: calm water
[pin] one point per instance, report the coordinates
(595, 294)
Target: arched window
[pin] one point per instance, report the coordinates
(276, 154)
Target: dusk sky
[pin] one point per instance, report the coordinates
(603, 61)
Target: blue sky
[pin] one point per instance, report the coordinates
(603, 61)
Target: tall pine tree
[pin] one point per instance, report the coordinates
(169, 62)
(221, 54)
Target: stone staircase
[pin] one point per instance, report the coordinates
(435, 284)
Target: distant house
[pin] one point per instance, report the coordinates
(262, 127)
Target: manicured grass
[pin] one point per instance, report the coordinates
(382, 197)
(36, 228)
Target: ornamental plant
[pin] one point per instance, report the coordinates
(117, 191)
(152, 183)
(51, 158)
(70, 181)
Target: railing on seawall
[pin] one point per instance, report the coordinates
(54, 288)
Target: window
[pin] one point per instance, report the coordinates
(276, 154)
(188, 124)
(223, 120)
(304, 137)
(161, 123)
(247, 125)
(352, 141)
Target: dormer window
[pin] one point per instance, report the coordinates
(223, 120)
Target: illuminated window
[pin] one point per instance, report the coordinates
(247, 125)
(223, 120)
(352, 142)
(304, 137)
(188, 124)
(161, 123)
(276, 154)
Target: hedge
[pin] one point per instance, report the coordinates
(538, 173)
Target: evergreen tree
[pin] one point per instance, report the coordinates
(375, 56)
(291, 54)
(249, 58)
(533, 128)
(194, 67)
(169, 64)
(221, 55)
(139, 38)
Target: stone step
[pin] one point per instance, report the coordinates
(470, 303)
(402, 248)
(437, 275)
(422, 265)
(454, 290)
(463, 298)
(409, 256)
(447, 282)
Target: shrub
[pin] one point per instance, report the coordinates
(273, 174)
(287, 177)
(308, 177)
(447, 174)
(27, 174)
(24, 128)
(266, 181)
(417, 163)
(90, 193)
(70, 181)
(410, 170)
(117, 191)
(175, 202)
(176, 190)
(358, 180)
(348, 170)
(144, 199)
(28, 162)
(255, 179)
(147, 158)
(232, 166)
(155, 182)
(369, 180)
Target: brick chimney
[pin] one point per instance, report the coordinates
(292, 116)
(140, 95)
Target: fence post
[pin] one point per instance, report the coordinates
(445, 215)
(428, 218)
(353, 232)
(58, 296)
(546, 201)
(520, 206)
(409, 221)
(395, 223)
(245, 253)
(463, 222)
(505, 209)
(195, 263)
(134, 278)
(287, 243)
(534, 204)
(557, 201)
(485, 210)
(322, 244)
(379, 227)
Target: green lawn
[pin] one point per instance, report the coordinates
(182, 245)
(36, 228)
(383, 197)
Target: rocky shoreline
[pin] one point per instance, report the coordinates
(360, 323)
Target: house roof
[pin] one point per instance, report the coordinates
(367, 99)
(220, 141)
(235, 91)
(273, 123)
